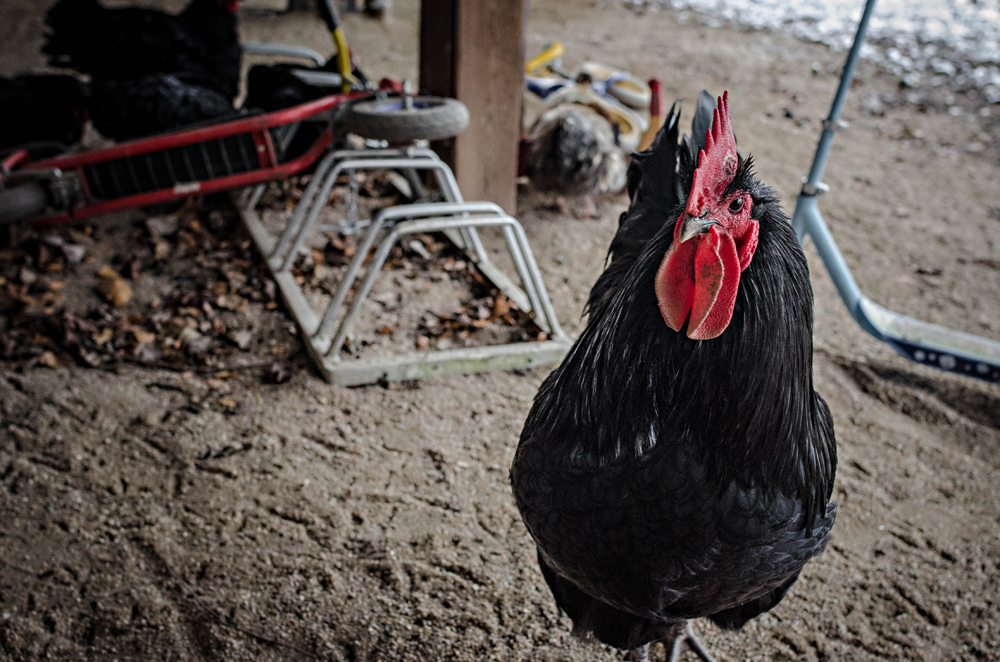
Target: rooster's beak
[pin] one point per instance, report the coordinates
(692, 226)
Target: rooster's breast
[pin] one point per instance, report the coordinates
(654, 535)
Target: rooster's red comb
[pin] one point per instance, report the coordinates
(717, 162)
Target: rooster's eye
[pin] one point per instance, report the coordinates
(736, 205)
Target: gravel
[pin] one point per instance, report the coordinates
(940, 43)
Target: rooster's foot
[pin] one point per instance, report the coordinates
(688, 641)
(640, 654)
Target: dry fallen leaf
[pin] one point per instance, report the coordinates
(161, 251)
(143, 336)
(502, 306)
(48, 359)
(112, 287)
(230, 301)
(116, 291)
(103, 336)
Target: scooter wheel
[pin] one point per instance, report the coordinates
(22, 201)
(429, 118)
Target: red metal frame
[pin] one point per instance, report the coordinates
(190, 136)
(257, 126)
(185, 189)
(12, 160)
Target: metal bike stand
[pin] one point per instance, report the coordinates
(923, 342)
(325, 333)
(350, 161)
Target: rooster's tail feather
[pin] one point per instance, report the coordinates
(659, 160)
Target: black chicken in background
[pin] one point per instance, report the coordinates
(150, 71)
(272, 87)
(128, 43)
(275, 86)
(128, 109)
(679, 464)
(43, 108)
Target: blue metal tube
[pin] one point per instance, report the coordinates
(846, 78)
(807, 214)
(918, 341)
(807, 219)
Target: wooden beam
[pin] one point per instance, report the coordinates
(473, 50)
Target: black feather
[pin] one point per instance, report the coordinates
(41, 108)
(658, 162)
(128, 43)
(701, 123)
(134, 108)
(651, 177)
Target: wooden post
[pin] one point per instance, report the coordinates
(473, 50)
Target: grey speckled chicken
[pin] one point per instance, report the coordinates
(572, 150)
(679, 464)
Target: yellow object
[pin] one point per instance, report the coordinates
(656, 117)
(630, 90)
(630, 125)
(538, 65)
(343, 59)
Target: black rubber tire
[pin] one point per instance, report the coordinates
(431, 118)
(21, 202)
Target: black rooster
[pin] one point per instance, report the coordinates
(128, 43)
(679, 464)
(43, 108)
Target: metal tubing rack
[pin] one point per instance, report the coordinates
(325, 332)
(923, 342)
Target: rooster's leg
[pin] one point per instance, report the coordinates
(690, 641)
(640, 654)
(588, 210)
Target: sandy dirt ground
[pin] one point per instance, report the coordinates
(140, 520)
